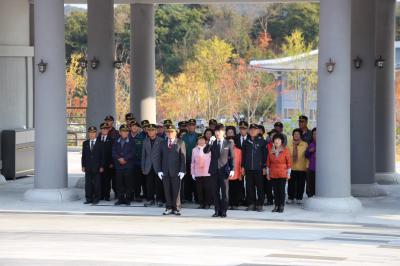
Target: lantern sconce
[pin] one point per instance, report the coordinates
(117, 64)
(330, 66)
(42, 66)
(379, 62)
(94, 63)
(357, 62)
(83, 63)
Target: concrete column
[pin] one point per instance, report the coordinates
(101, 81)
(385, 105)
(51, 180)
(363, 101)
(143, 91)
(333, 134)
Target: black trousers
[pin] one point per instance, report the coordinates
(221, 192)
(154, 187)
(235, 192)
(139, 182)
(255, 187)
(108, 182)
(278, 184)
(310, 188)
(172, 188)
(296, 185)
(268, 190)
(204, 190)
(189, 186)
(124, 184)
(92, 186)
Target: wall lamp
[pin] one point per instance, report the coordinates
(330, 66)
(42, 66)
(379, 62)
(94, 63)
(357, 62)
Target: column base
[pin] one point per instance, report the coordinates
(367, 190)
(51, 195)
(340, 205)
(387, 178)
(80, 183)
(2, 179)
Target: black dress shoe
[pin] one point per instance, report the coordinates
(275, 209)
(127, 203)
(280, 209)
(223, 215)
(88, 202)
(118, 202)
(95, 202)
(215, 215)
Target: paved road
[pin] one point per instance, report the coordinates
(54, 239)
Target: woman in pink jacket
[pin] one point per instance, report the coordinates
(199, 169)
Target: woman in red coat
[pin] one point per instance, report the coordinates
(278, 170)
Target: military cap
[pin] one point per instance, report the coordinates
(123, 127)
(243, 124)
(129, 117)
(254, 126)
(192, 121)
(133, 123)
(303, 118)
(170, 128)
(104, 125)
(219, 127)
(92, 129)
(278, 124)
(152, 126)
(145, 123)
(212, 122)
(182, 124)
(167, 122)
(109, 118)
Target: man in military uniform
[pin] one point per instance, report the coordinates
(92, 166)
(212, 124)
(182, 125)
(172, 169)
(129, 117)
(151, 166)
(137, 139)
(122, 154)
(190, 139)
(113, 133)
(144, 124)
(243, 134)
(108, 176)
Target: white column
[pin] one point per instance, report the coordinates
(333, 134)
(385, 103)
(51, 180)
(143, 91)
(101, 81)
(363, 101)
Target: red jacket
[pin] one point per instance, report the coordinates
(279, 165)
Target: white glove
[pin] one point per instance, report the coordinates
(212, 139)
(160, 175)
(181, 175)
(194, 178)
(289, 172)
(231, 173)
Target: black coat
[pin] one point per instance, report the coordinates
(254, 154)
(92, 160)
(173, 160)
(237, 140)
(221, 159)
(107, 150)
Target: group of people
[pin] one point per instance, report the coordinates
(223, 168)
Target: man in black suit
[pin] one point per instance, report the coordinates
(221, 168)
(108, 176)
(150, 164)
(173, 166)
(92, 166)
(243, 134)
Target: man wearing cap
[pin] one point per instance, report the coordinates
(254, 158)
(212, 123)
(278, 126)
(129, 117)
(221, 168)
(306, 134)
(139, 182)
(182, 125)
(172, 169)
(92, 165)
(108, 176)
(113, 133)
(243, 134)
(190, 139)
(144, 124)
(122, 154)
(151, 166)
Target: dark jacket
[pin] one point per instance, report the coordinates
(107, 150)
(190, 140)
(137, 142)
(173, 160)
(238, 140)
(151, 155)
(113, 133)
(254, 154)
(125, 152)
(221, 159)
(92, 160)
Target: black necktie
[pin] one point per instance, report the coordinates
(91, 145)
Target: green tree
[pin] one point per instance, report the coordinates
(76, 26)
